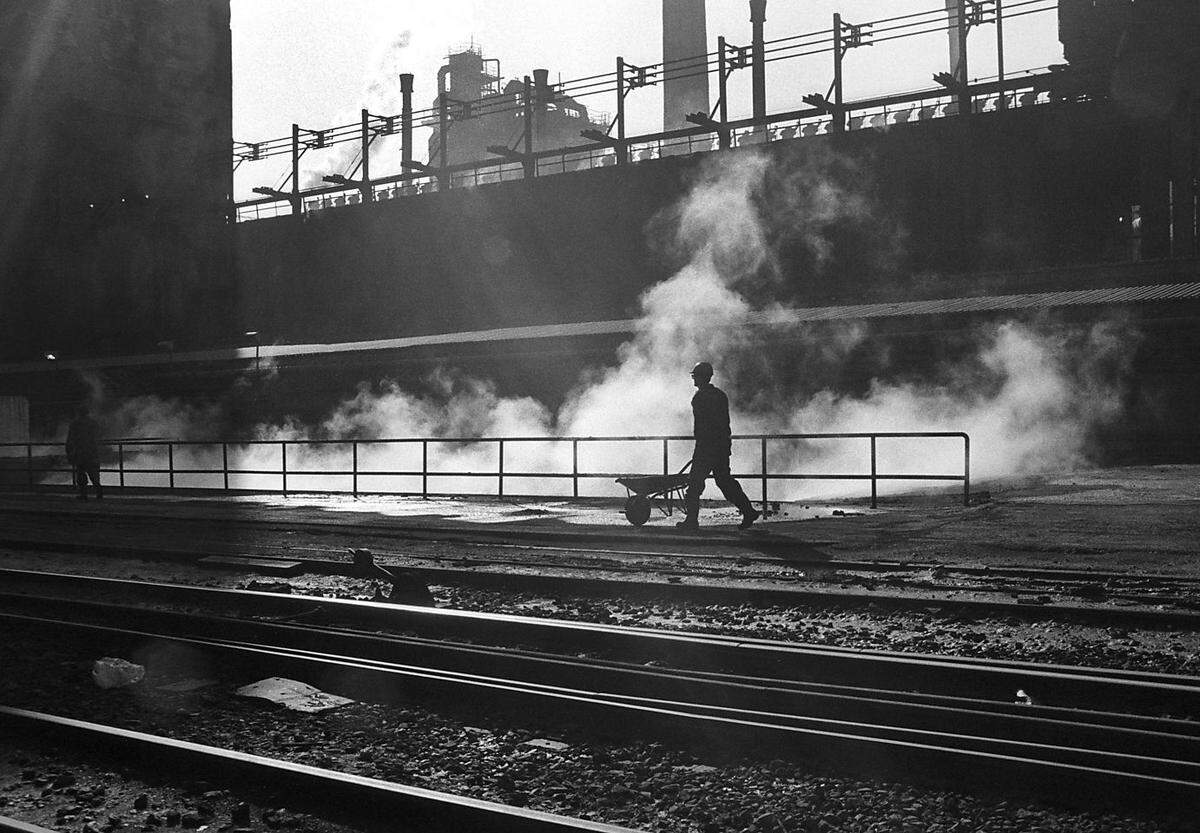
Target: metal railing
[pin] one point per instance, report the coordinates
(126, 460)
(873, 113)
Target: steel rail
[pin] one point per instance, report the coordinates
(608, 555)
(11, 825)
(1106, 689)
(936, 757)
(670, 583)
(1112, 732)
(372, 802)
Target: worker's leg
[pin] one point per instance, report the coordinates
(695, 488)
(80, 481)
(93, 472)
(730, 488)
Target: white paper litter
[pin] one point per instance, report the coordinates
(293, 694)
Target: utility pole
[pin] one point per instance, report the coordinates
(839, 113)
(723, 93)
(364, 187)
(295, 195)
(528, 162)
(622, 148)
(1002, 102)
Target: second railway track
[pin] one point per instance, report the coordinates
(867, 712)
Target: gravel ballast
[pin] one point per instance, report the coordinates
(636, 784)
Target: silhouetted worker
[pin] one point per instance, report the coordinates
(83, 452)
(710, 414)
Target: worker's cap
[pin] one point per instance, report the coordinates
(702, 370)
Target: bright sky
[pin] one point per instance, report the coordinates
(317, 62)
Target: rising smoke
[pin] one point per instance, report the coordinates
(1029, 393)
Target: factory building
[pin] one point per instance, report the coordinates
(115, 122)
(480, 113)
(1084, 181)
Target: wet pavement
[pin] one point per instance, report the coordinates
(1140, 519)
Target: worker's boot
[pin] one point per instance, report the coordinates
(749, 516)
(691, 520)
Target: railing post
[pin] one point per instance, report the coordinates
(424, 468)
(764, 475)
(874, 493)
(966, 470)
(575, 465)
(171, 465)
(225, 464)
(500, 472)
(121, 463)
(354, 467)
(283, 463)
(29, 462)
(666, 468)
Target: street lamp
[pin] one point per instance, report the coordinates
(254, 335)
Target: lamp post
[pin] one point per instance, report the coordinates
(254, 335)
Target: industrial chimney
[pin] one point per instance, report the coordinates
(685, 82)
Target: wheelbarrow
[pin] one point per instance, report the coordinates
(646, 492)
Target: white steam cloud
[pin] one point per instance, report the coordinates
(1027, 393)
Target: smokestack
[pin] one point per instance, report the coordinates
(541, 85)
(406, 119)
(758, 16)
(685, 36)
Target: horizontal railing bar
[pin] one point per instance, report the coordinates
(439, 440)
(129, 472)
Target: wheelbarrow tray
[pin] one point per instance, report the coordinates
(653, 485)
(649, 491)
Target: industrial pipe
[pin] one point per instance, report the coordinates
(758, 16)
(406, 119)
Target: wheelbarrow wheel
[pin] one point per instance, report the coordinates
(637, 510)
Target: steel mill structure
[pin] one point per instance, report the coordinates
(1071, 189)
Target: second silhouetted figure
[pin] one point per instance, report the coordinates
(710, 414)
(83, 452)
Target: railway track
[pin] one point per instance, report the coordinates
(869, 713)
(616, 545)
(1028, 593)
(372, 803)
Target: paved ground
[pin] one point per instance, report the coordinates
(1143, 519)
